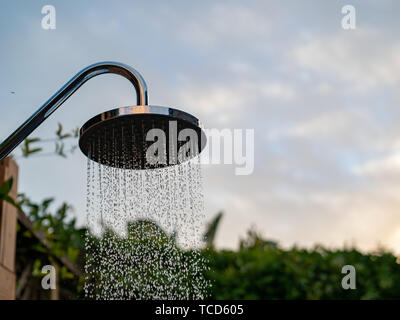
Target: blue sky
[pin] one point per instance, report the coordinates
(323, 102)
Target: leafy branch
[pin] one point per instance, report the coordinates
(211, 231)
(5, 190)
(28, 147)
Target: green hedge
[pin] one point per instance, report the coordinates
(258, 269)
(262, 270)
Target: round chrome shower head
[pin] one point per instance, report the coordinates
(142, 137)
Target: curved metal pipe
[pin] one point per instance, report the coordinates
(66, 91)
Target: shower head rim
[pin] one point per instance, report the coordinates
(127, 111)
(120, 117)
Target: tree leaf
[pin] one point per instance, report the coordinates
(26, 147)
(5, 188)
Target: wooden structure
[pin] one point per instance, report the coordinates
(14, 269)
(8, 231)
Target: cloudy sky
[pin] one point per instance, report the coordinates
(323, 102)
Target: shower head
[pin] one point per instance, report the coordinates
(142, 137)
(135, 137)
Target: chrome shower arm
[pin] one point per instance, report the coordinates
(51, 105)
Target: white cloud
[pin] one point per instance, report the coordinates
(331, 125)
(230, 101)
(277, 90)
(227, 22)
(384, 166)
(362, 58)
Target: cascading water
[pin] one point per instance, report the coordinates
(145, 231)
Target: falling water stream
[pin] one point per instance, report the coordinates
(144, 232)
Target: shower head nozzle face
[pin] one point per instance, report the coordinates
(142, 137)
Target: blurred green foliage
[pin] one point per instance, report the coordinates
(61, 233)
(260, 269)
(61, 238)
